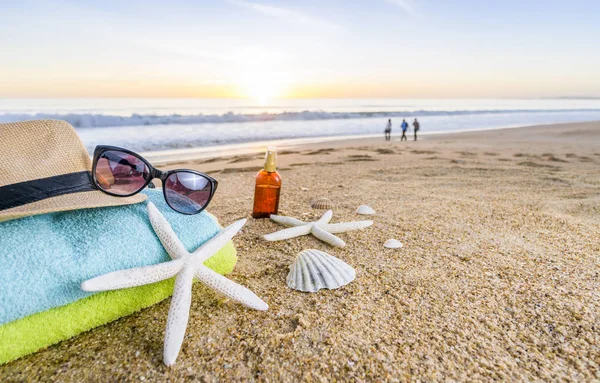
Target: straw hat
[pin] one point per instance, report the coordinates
(37, 150)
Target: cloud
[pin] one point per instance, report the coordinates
(406, 5)
(285, 14)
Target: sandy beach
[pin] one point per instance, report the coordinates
(498, 278)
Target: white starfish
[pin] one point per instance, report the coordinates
(321, 228)
(185, 265)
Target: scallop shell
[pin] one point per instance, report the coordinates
(322, 203)
(314, 270)
(392, 244)
(365, 210)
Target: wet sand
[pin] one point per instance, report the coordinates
(498, 277)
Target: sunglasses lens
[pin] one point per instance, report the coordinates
(120, 173)
(187, 192)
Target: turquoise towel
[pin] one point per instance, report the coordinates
(44, 259)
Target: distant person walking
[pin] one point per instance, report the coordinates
(388, 130)
(404, 127)
(416, 127)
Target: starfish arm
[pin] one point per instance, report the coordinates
(288, 221)
(136, 276)
(325, 218)
(179, 313)
(345, 226)
(288, 233)
(229, 288)
(327, 237)
(165, 233)
(213, 245)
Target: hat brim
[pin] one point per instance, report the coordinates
(75, 201)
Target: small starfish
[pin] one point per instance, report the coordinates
(185, 265)
(321, 228)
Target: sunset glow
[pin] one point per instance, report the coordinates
(265, 50)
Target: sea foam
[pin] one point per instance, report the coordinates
(89, 120)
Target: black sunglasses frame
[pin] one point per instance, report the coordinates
(154, 173)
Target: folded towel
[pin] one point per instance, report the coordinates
(44, 259)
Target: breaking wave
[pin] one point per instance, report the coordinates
(89, 120)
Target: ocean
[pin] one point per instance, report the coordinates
(152, 124)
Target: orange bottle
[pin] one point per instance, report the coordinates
(268, 186)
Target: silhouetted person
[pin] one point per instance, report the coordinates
(416, 127)
(388, 130)
(404, 127)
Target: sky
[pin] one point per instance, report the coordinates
(300, 49)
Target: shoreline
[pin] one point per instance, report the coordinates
(167, 157)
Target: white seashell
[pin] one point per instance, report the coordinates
(304, 189)
(365, 210)
(322, 203)
(392, 244)
(314, 270)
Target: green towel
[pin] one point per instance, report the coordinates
(32, 333)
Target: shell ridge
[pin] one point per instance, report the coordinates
(317, 276)
(324, 271)
(347, 270)
(343, 268)
(297, 274)
(305, 272)
(329, 266)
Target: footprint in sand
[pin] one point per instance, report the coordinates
(320, 151)
(360, 158)
(532, 164)
(241, 170)
(210, 160)
(385, 151)
(556, 180)
(241, 159)
(580, 158)
(552, 157)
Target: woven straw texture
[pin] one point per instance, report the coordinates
(44, 148)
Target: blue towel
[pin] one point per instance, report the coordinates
(44, 258)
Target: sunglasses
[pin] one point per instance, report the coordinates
(123, 173)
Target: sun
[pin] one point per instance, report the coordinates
(262, 88)
(261, 75)
(262, 83)
(262, 92)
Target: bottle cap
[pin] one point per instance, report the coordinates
(270, 158)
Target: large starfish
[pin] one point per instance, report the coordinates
(321, 228)
(185, 265)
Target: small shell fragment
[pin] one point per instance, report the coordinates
(314, 270)
(365, 210)
(322, 203)
(392, 244)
